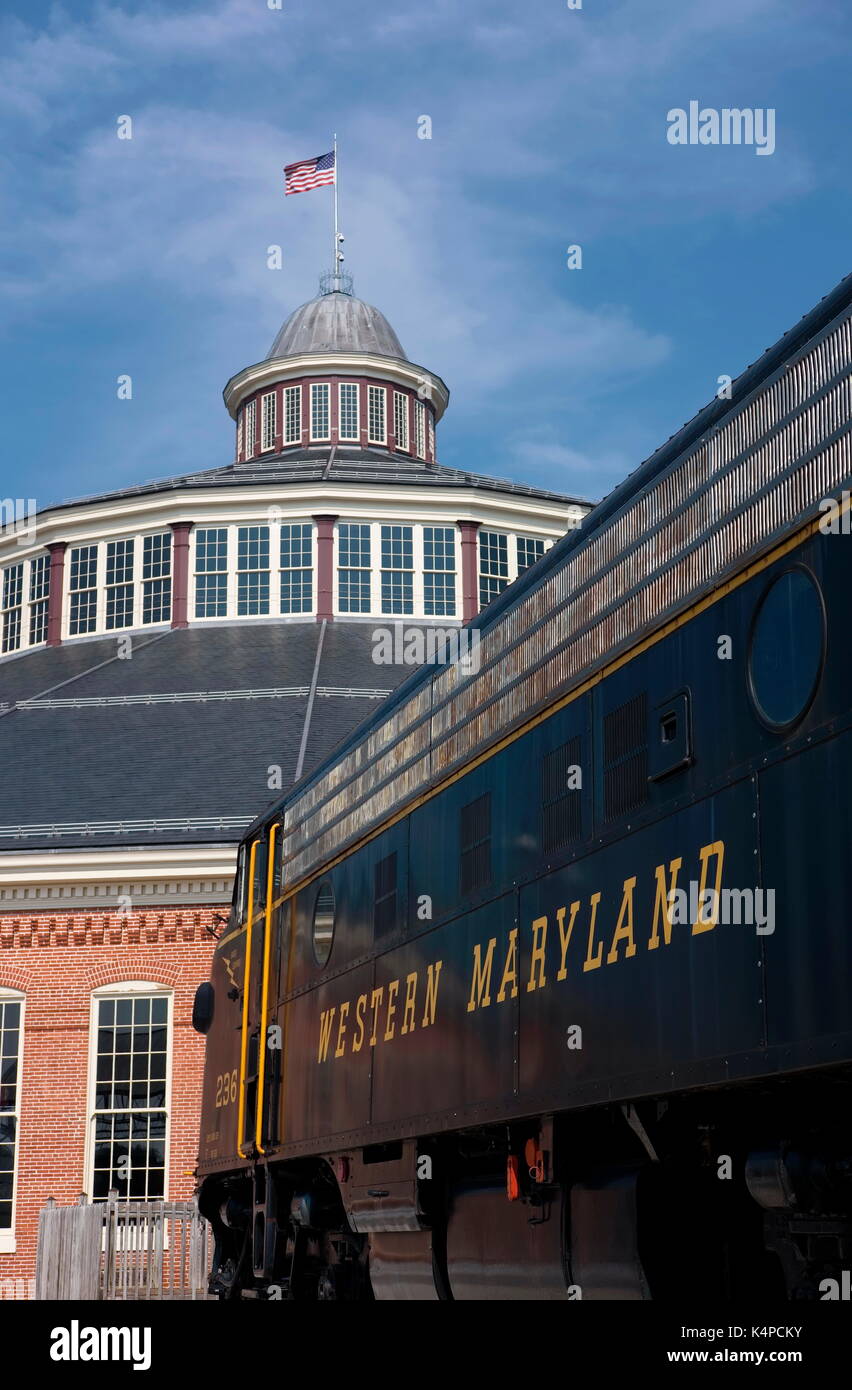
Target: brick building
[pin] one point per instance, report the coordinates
(171, 656)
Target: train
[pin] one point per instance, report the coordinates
(540, 986)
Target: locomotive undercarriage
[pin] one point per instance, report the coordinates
(728, 1195)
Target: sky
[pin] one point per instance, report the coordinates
(149, 257)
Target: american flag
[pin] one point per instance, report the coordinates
(309, 173)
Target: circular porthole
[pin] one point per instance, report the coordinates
(323, 929)
(787, 649)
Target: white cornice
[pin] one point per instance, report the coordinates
(90, 521)
(56, 879)
(274, 369)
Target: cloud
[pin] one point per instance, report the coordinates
(543, 133)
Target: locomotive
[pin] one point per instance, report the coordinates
(540, 987)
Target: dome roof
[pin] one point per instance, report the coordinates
(336, 322)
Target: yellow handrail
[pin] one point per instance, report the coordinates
(246, 981)
(264, 1004)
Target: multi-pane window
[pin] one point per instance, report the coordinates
(530, 549)
(376, 432)
(349, 424)
(39, 594)
(397, 569)
(129, 1119)
(250, 418)
(239, 436)
(157, 578)
(320, 401)
(400, 419)
(119, 584)
(439, 571)
(82, 587)
(420, 429)
(268, 420)
(252, 570)
(296, 567)
(493, 565)
(211, 572)
(13, 595)
(292, 414)
(431, 420)
(353, 539)
(11, 1010)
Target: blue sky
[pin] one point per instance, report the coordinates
(148, 256)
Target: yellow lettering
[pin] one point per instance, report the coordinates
(663, 902)
(341, 1031)
(375, 1002)
(704, 923)
(358, 1040)
(326, 1020)
(408, 1020)
(565, 937)
(537, 957)
(480, 985)
(592, 962)
(390, 1027)
(510, 969)
(624, 925)
(431, 993)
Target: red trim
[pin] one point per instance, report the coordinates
(54, 599)
(180, 572)
(470, 569)
(325, 567)
(390, 389)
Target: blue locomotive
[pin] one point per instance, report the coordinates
(541, 986)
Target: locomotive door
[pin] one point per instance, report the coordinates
(256, 992)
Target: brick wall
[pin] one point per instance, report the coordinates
(57, 960)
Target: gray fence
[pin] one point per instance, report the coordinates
(122, 1250)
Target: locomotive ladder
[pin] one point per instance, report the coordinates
(254, 1020)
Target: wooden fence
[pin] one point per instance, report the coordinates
(122, 1250)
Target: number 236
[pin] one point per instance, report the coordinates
(226, 1088)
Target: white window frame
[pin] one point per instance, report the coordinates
(351, 386)
(124, 989)
(18, 607)
(131, 582)
(524, 536)
(279, 609)
(195, 573)
(8, 1244)
(273, 533)
(457, 604)
(430, 421)
(98, 588)
(239, 435)
(268, 421)
(139, 612)
(400, 419)
(420, 429)
(292, 394)
(377, 404)
(250, 417)
(321, 387)
(33, 603)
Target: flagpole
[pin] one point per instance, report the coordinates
(336, 263)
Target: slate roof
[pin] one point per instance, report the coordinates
(340, 464)
(104, 741)
(336, 322)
